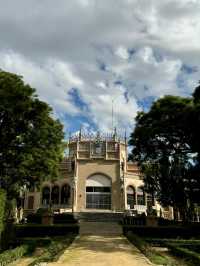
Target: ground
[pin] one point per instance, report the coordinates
(101, 244)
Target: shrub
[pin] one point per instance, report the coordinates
(163, 231)
(153, 255)
(2, 208)
(185, 253)
(34, 218)
(35, 230)
(54, 250)
(64, 218)
(9, 256)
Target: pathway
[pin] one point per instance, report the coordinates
(101, 244)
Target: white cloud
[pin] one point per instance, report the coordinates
(108, 50)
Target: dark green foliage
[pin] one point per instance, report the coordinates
(35, 230)
(166, 145)
(2, 208)
(182, 252)
(63, 218)
(30, 139)
(153, 255)
(53, 251)
(11, 255)
(185, 232)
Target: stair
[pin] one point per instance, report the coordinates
(100, 228)
(100, 217)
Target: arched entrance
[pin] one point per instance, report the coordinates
(98, 192)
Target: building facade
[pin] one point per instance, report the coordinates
(95, 177)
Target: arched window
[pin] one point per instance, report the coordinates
(98, 192)
(131, 201)
(140, 196)
(65, 194)
(55, 195)
(45, 195)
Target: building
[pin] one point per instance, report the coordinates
(95, 177)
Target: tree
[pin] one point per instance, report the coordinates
(30, 138)
(162, 146)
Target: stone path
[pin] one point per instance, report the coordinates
(101, 244)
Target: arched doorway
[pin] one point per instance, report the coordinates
(55, 195)
(45, 195)
(65, 194)
(131, 199)
(98, 192)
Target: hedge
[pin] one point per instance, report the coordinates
(54, 250)
(63, 218)
(163, 231)
(36, 230)
(151, 254)
(185, 253)
(9, 256)
(2, 208)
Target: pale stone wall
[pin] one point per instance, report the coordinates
(110, 169)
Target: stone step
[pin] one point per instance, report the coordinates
(100, 228)
(99, 217)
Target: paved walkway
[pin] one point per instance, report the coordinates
(101, 244)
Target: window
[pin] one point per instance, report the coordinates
(46, 196)
(65, 194)
(131, 197)
(98, 192)
(55, 195)
(140, 196)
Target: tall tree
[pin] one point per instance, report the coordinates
(30, 138)
(162, 146)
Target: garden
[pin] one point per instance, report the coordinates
(170, 245)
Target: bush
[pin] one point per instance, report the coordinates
(185, 253)
(54, 250)
(34, 230)
(2, 208)
(153, 255)
(163, 231)
(34, 218)
(64, 218)
(9, 256)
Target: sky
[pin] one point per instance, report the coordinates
(83, 56)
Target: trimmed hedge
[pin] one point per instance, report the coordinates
(163, 231)
(9, 256)
(185, 253)
(63, 218)
(54, 250)
(35, 230)
(153, 255)
(2, 208)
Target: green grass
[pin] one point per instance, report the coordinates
(156, 257)
(54, 249)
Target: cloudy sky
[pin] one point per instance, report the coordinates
(82, 55)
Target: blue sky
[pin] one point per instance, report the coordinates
(82, 55)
